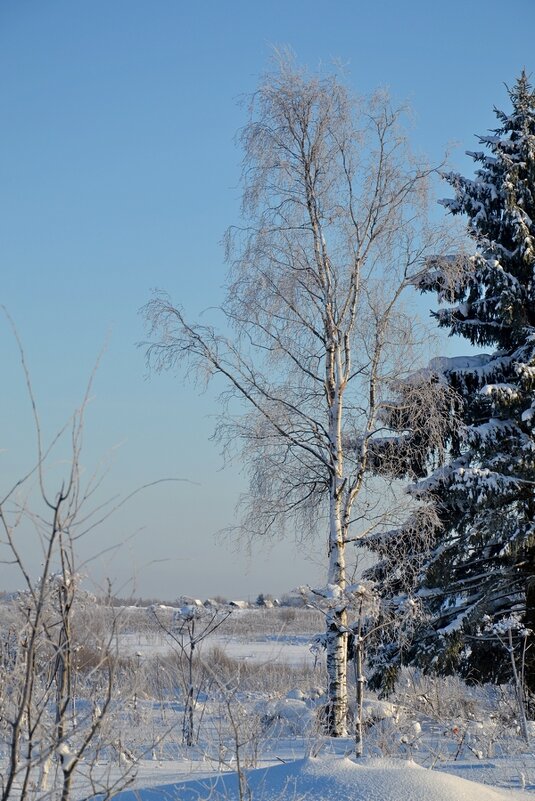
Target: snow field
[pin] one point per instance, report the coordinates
(332, 779)
(259, 697)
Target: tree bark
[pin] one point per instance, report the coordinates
(337, 626)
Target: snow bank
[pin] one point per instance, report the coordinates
(333, 779)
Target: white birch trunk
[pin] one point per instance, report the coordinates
(337, 651)
(337, 618)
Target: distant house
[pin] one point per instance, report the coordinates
(186, 600)
(239, 604)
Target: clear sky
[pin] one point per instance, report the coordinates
(119, 173)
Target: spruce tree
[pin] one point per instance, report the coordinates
(477, 581)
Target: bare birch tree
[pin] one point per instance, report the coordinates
(335, 230)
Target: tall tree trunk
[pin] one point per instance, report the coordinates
(337, 628)
(359, 681)
(529, 622)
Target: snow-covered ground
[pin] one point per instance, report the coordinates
(259, 699)
(247, 636)
(411, 755)
(290, 649)
(331, 779)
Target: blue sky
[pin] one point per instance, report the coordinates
(119, 173)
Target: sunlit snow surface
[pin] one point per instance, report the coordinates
(473, 756)
(331, 776)
(332, 779)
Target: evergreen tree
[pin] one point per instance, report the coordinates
(477, 580)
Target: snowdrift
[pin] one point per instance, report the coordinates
(332, 779)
